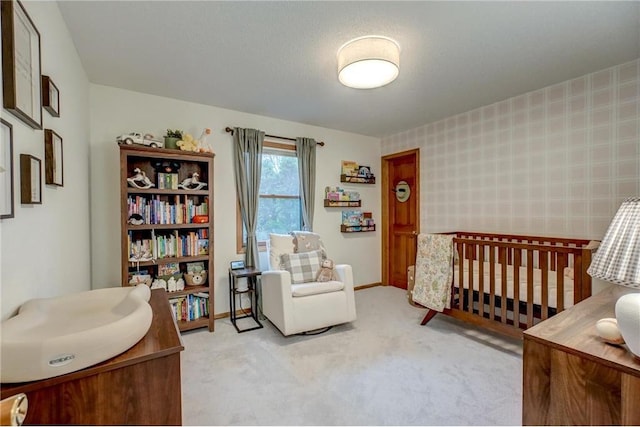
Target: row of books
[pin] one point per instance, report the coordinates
(190, 307)
(193, 243)
(156, 211)
(353, 218)
(337, 193)
(168, 181)
(351, 168)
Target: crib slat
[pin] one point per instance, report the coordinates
(481, 255)
(470, 279)
(502, 252)
(516, 287)
(577, 279)
(529, 288)
(562, 263)
(492, 281)
(461, 248)
(544, 270)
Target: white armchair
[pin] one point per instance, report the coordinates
(302, 307)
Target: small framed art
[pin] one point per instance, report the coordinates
(30, 180)
(6, 169)
(53, 160)
(50, 96)
(21, 83)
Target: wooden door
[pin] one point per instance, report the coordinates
(400, 215)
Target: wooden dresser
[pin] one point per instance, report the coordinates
(571, 377)
(140, 386)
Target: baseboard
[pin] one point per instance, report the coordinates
(370, 285)
(227, 314)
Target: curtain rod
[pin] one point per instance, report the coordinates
(229, 130)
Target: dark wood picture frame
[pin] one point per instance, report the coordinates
(30, 180)
(50, 96)
(21, 82)
(6, 169)
(53, 159)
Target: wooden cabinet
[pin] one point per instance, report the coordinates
(160, 237)
(141, 386)
(571, 377)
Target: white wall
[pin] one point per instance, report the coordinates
(115, 111)
(45, 248)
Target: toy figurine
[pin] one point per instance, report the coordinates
(140, 179)
(192, 183)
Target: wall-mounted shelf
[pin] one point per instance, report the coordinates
(342, 203)
(356, 228)
(357, 179)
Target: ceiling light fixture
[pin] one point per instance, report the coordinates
(368, 62)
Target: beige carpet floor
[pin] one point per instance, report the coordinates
(383, 369)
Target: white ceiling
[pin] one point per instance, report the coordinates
(278, 59)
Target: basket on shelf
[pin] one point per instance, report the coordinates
(196, 279)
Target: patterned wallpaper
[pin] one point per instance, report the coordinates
(557, 161)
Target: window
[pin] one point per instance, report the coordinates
(279, 209)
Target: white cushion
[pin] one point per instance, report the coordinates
(279, 244)
(314, 288)
(302, 267)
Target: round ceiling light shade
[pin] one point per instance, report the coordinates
(368, 62)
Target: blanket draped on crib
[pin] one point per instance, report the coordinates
(434, 271)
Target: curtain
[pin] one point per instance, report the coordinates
(306, 153)
(247, 156)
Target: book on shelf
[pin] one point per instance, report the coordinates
(201, 294)
(351, 217)
(167, 181)
(195, 267)
(203, 246)
(349, 168)
(168, 269)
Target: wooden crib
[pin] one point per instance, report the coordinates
(508, 283)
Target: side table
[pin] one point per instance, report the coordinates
(251, 274)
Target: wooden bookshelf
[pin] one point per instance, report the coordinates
(167, 215)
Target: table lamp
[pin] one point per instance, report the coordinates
(618, 261)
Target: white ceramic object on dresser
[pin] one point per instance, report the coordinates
(608, 330)
(54, 336)
(628, 316)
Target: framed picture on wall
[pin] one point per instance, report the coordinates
(21, 83)
(53, 161)
(30, 180)
(6, 170)
(50, 96)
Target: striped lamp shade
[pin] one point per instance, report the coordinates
(618, 257)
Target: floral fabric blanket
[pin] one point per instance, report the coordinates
(434, 271)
